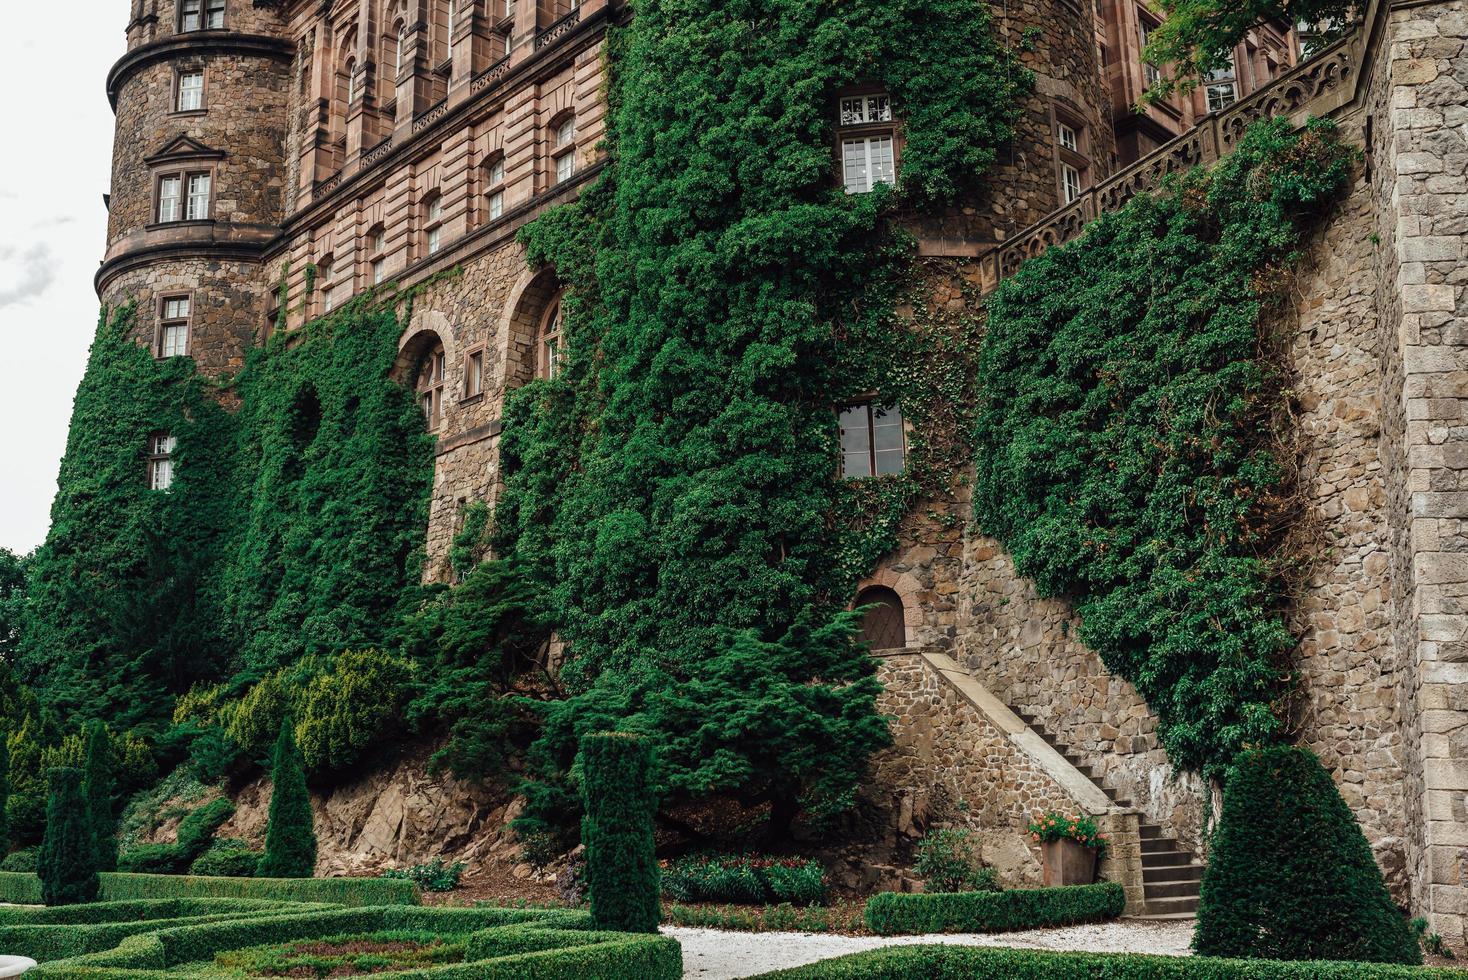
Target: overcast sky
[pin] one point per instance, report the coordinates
(55, 164)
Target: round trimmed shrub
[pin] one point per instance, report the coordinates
(68, 863)
(228, 858)
(1290, 876)
(290, 837)
(621, 864)
(26, 861)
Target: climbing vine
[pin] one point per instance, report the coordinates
(674, 489)
(1128, 437)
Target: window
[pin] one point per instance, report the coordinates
(173, 326)
(867, 162)
(565, 142)
(1220, 89)
(160, 460)
(214, 14)
(432, 218)
(379, 260)
(474, 374)
(402, 46)
(197, 15)
(873, 441)
(351, 72)
(190, 97)
(198, 203)
(430, 388)
(1066, 136)
(170, 190)
(549, 352)
(494, 179)
(451, 28)
(323, 282)
(1070, 182)
(1144, 29)
(867, 158)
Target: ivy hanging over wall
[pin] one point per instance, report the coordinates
(1128, 440)
(674, 490)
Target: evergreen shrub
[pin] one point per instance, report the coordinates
(1290, 875)
(898, 913)
(621, 864)
(195, 834)
(744, 878)
(290, 836)
(980, 963)
(68, 861)
(949, 860)
(26, 860)
(229, 858)
(97, 785)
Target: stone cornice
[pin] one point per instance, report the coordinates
(185, 240)
(196, 42)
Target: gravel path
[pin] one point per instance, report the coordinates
(713, 954)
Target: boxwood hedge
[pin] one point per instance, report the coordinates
(899, 913)
(25, 889)
(503, 943)
(980, 963)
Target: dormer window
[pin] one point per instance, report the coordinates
(867, 142)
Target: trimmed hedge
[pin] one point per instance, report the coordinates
(25, 889)
(195, 834)
(621, 861)
(997, 963)
(899, 913)
(524, 944)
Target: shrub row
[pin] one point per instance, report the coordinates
(195, 834)
(745, 878)
(980, 963)
(898, 913)
(515, 943)
(25, 889)
(768, 918)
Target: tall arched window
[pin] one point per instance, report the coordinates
(883, 625)
(351, 70)
(452, 5)
(430, 387)
(550, 352)
(402, 49)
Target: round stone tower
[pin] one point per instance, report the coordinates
(198, 164)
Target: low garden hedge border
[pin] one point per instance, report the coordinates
(901, 913)
(995, 963)
(25, 889)
(529, 944)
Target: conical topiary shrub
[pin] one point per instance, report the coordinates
(290, 837)
(97, 786)
(621, 864)
(68, 860)
(1290, 875)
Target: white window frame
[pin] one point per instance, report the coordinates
(200, 197)
(1070, 183)
(869, 162)
(189, 97)
(175, 317)
(161, 447)
(1067, 137)
(864, 110)
(1151, 74)
(170, 197)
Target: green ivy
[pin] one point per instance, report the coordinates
(674, 489)
(1128, 437)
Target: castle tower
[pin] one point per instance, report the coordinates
(197, 173)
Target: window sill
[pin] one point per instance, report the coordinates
(177, 113)
(472, 399)
(181, 223)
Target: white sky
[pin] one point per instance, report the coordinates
(55, 165)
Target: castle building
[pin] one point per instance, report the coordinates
(275, 158)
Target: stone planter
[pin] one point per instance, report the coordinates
(1068, 863)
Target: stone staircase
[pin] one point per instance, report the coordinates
(1171, 876)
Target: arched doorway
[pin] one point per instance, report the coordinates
(883, 625)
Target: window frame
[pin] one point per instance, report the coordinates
(563, 148)
(433, 222)
(474, 364)
(550, 334)
(430, 394)
(325, 269)
(1070, 160)
(160, 341)
(178, 78)
(865, 130)
(494, 187)
(162, 444)
(872, 404)
(1151, 74)
(184, 175)
(205, 10)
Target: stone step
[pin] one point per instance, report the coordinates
(1156, 844)
(1170, 906)
(1160, 859)
(1153, 890)
(1171, 872)
(1149, 831)
(1166, 917)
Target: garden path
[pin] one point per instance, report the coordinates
(715, 954)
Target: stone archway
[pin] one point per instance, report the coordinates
(520, 325)
(884, 624)
(899, 593)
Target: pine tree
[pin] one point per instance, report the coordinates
(621, 863)
(4, 791)
(97, 786)
(1290, 876)
(290, 838)
(68, 860)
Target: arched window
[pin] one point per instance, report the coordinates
(494, 186)
(402, 49)
(563, 148)
(430, 387)
(549, 351)
(351, 70)
(883, 625)
(323, 282)
(433, 222)
(450, 34)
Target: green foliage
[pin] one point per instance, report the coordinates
(175, 795)
(1054, 826)
(621, 864)
(12, 602)
(290, 836)
(1198, 36)
(375, 952)
(1126, 450)
(435, 876)
(672, 490)
(68, 860)
(195, 834)
(25, 809)
(969, 962)
(949, 861)
(1290, 875)
(899, 913)
(1432, 943)
(468, 545)
(97, 787)
(226, 858)
(771, 918)
(27, 860)
(138, 595)
(744, 878)
(354, 703)
(470, 642)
